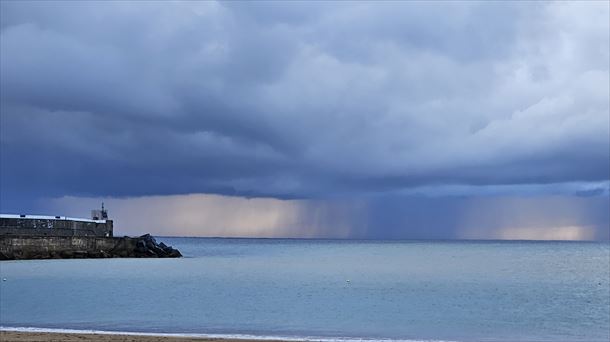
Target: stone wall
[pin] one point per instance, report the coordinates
(58, 247)
(54, 227)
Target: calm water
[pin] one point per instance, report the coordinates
(462, 291)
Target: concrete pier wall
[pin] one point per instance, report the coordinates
(15, 226)
(60, 247)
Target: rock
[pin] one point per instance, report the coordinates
(174, 253)
(157, 250)
(141, 248)
(149, 238)
(147, 246)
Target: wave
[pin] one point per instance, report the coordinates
(214, 336)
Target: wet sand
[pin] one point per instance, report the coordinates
(9, 336)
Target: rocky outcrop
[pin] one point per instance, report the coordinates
(147, 246)
(41, 247)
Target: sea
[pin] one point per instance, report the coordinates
(327, 290)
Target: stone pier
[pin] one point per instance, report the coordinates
(67, 247)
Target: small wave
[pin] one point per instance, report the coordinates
(215, 336)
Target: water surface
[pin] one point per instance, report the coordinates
(462, 291)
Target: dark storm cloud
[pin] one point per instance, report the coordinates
(300, 100)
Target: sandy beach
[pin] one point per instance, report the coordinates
(10, 336)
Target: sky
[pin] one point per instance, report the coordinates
(390, 120)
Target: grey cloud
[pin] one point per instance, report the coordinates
(300, 100)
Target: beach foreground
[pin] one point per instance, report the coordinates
(11, 336)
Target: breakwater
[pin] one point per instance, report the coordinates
(38, 225)
(68, 247)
